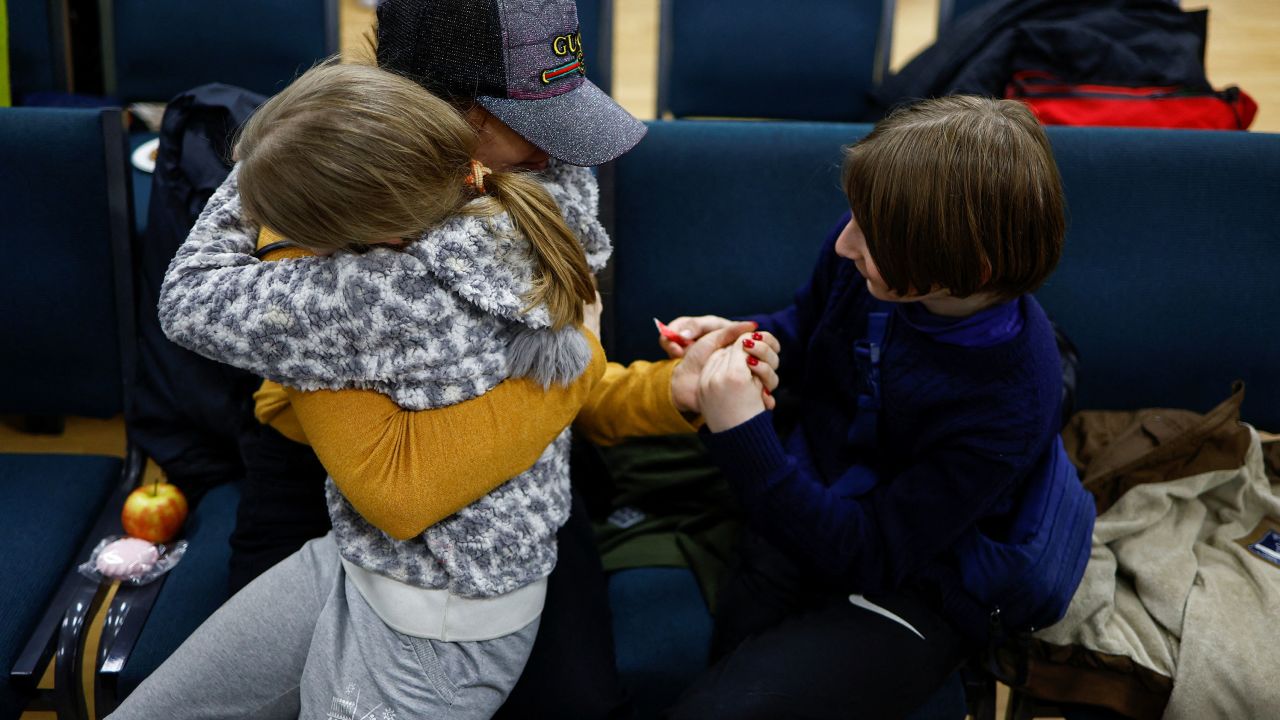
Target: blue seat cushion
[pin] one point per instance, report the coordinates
(50, 503)
(193, 589)
(662, 632)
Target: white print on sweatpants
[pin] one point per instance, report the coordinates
(346, 707)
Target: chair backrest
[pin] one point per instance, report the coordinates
(718, 217)
(65, 278)
(154, 50)
(595, 21)
(1168, 283)
(37, 47)
(1169, 279)
(802, 60)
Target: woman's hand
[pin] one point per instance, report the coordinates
(758, 353)
(691, 329)
(729, 393)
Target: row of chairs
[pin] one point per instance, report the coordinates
(746, 61)
(71, 350)
(150, 51)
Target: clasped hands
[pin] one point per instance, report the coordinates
(728, 371)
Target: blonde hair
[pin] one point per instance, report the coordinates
(352, 155)
(958, 192)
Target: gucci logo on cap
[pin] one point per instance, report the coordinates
(566, 46)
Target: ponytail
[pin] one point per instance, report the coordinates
(563, 281)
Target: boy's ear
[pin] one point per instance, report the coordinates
(986, 272)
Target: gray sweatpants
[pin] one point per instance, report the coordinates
(301, 642)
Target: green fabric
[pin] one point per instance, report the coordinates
(4, 55)
(671, 508)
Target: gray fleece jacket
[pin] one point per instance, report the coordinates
(438, 322)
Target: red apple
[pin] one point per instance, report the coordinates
(154, 512)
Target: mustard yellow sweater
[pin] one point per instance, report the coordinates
(406, 470)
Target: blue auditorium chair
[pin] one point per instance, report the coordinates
(801, 60)
(1172, 254)
(154, 50)
(37, 47)
(65, 286)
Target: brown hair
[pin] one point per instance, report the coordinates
(352, 155)
(960, 193)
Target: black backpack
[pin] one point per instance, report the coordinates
(187, 412)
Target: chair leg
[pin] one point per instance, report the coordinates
(1024, 707)
(980, 693)
(1013, 709)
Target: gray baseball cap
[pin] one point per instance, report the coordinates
(519, 59)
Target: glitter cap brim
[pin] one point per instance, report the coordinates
(581, 127)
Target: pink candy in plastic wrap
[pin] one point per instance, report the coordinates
(127, 558)
(131, 560)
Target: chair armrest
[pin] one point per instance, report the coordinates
(126, 617)
(61, 627)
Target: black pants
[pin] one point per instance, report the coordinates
(571, 673)
(282, 503)
(786, 646)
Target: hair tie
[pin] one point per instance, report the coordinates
(476, 179)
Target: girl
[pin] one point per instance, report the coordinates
(486, 59)
(416, 619)
(923, 499)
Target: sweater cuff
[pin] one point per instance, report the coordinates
(751, 449)
(670, 419)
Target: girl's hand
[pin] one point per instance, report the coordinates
(691, 328)
(729, 393)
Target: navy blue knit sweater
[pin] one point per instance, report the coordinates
(961, 431)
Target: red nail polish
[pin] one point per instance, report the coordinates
(748, 344)
(755, 325)
(757, 336)
(752, 361)
(766, 392)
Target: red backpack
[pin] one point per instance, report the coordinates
(1056, 102)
